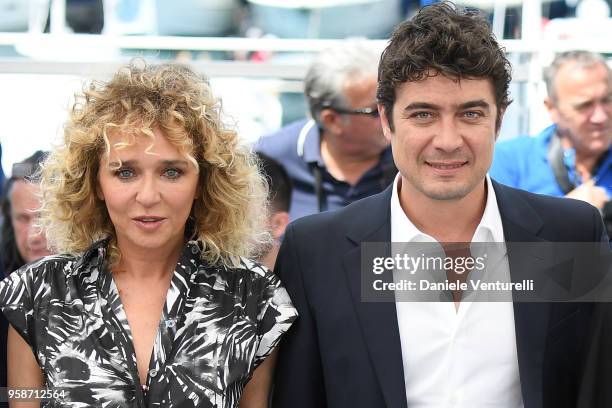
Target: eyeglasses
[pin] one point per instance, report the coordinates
(373, 112)
(23, 170)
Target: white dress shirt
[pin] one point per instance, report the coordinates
(457, 358)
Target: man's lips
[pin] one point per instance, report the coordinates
(446, 165)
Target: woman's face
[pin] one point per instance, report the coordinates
(149, 188)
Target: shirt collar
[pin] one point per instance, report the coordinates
(489, 229)
(310, 140)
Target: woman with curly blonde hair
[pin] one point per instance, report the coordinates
(155, 206)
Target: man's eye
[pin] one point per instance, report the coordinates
(22, 218)
(472, 114)
(422, 115)
(124, 173)
(172, 173)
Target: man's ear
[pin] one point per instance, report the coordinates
(553, 112)
(384, 121)
(498, 121)
(331, 121)
(278, 223)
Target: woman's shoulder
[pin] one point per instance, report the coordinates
(253, 267)
(254, 271)
(56, 264)
(43, 276)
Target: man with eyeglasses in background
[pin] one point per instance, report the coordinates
(340, 155)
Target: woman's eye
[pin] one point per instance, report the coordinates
(172, 173)
(124, 173)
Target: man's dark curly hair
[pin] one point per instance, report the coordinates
(443, 39)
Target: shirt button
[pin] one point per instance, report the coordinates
(153, 373)
(170, 323)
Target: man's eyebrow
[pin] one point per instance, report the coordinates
(584, 104)
(421, 105)
(479, 103)
(589, 102)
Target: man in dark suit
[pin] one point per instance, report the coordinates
(442, 92)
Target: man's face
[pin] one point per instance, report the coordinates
(359, 134)
(31, 241)
(583, 107)
(444, 136)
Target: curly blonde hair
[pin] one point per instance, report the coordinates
(228, 216)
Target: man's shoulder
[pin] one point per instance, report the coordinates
(516, 162)
(563, 219)
(545, 202)
(345, 218)
(283, 142)
(519, 145)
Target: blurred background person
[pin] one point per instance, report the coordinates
(339, 155)
(279, 204)
(1, 174)
(279, 201)
(572, 157)
(22, 241)
(155, 207)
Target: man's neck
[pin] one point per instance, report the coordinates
(445, 220)
(342, 166)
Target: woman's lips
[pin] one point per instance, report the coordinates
(148, 222)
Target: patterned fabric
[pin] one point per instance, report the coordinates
(217, 326)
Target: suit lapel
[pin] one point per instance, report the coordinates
(378, 319)
(522, 224)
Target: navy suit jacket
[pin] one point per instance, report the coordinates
(342, 352)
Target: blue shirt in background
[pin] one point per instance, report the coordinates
(523, 163)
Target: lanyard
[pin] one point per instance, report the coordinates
(563, 165)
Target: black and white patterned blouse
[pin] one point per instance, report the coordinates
(217, 326)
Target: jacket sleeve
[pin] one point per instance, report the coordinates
(299, 374)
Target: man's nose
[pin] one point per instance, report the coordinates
(601, 112)
(36, 235)
(448, 137)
